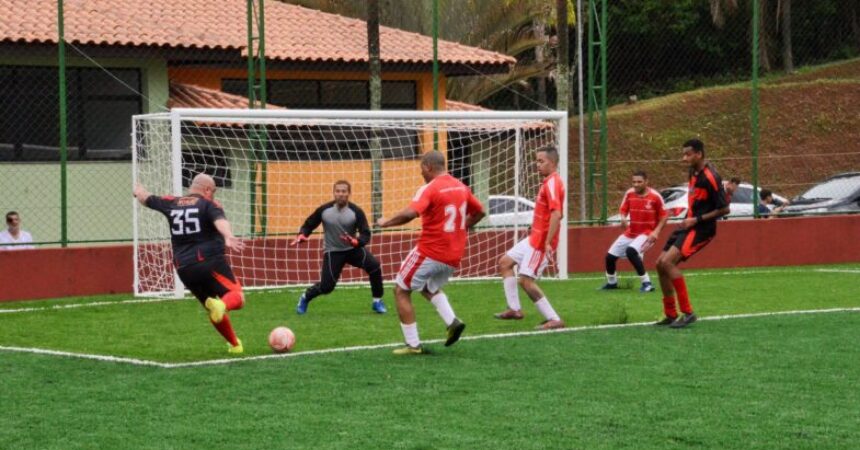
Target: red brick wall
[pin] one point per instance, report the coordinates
(48, 273)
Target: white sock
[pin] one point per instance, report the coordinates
(410, 334)
(512, 293)
(612, 278)
(645, 278)
(546, 309)
(377, 300)
(440, 301)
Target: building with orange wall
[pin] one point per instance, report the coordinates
(130, 57)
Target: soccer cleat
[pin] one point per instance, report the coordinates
(509, 314)
(216, 309)
(235, 349)
(407, 350)
(379, 307)
(454, 331)
(302, 306)
(551, 325)
(684, 320)
(646, 287)
(665, 321)
(608, 287)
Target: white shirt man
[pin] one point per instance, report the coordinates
(14, 234)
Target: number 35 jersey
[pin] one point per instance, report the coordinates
(444, 204)
(192, 227)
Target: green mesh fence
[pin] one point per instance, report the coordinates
(673, 70)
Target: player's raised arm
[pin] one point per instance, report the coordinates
(231, 242)
(311, 223)
(404, 216)
(140, 193)
(362, 227)
(475, 211)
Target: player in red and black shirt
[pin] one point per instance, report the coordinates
(707, 203)
(199, 234)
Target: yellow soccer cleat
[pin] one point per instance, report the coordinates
(407, 350)
(216, 309)
(237, 349)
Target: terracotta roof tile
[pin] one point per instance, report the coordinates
(293, 33)
(453, 105)
(190, 96)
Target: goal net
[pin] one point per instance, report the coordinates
(273, 168)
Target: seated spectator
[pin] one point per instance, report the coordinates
(731, 186)
(764, 208)
(13, 234)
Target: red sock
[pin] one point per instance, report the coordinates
(683, 298)
(226, 330)
(669, 307)
(233, 300)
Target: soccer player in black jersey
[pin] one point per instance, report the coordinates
(707, 203)
(346, 234)
(199, 233)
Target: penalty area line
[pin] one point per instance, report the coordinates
(358, 348)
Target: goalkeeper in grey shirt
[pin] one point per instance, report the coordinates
(346, 234)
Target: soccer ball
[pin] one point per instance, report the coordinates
(282, 339)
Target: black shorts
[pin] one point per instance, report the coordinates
(210, 278)
(689, 242)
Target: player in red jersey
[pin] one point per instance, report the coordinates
(448, 209)
(707, 203)
(644, 206)
(531, 255)
(200, 233)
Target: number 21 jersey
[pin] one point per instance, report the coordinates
(443, 204)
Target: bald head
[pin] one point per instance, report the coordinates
(432, 165)
(202, 184)
(434, 160)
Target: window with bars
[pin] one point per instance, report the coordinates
(99, 109)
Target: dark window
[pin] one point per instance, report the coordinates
(501, 205)
(211, 161)
(672, 194)
(99, 110)
(334, 142)
(742, 195)
(329, 94)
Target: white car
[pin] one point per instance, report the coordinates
(675, 199)
(508, 210)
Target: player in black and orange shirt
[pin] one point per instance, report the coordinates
(199, 234)
(707, 203)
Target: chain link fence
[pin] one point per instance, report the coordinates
(672, 71)
(680, 70)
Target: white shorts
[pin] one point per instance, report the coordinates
(420, 272)
(530, 262)
(639, 243)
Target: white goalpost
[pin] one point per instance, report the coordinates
(274, 167)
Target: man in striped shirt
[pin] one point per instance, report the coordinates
(644, 206)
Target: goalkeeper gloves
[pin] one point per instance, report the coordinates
(349, 240)
(299, 239)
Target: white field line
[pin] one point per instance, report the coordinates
(104, 358)
(215, 362)
(361, 285)
(838, 270)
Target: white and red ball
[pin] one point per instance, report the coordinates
(282, 339)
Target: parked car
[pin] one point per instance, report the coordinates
(675, 200)
(509, 210)
(837, 194)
